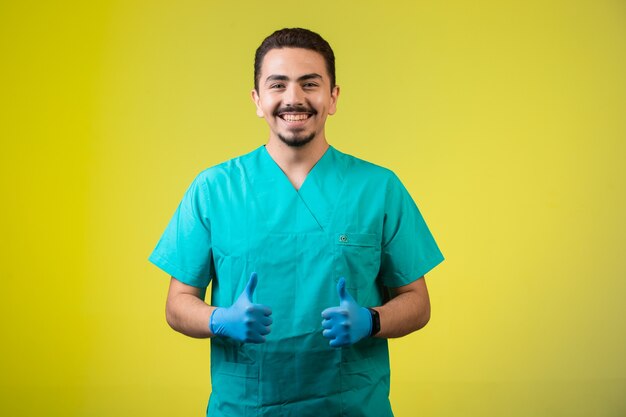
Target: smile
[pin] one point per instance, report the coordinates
(294, 117)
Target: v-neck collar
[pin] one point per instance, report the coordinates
(318, 166)
(318, 194)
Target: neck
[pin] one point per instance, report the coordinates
(296, 162)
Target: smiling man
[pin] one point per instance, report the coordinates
(295, 103)
(314, 257)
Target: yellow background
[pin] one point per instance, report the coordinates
(505, 120)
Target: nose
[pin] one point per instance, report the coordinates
(294, 96)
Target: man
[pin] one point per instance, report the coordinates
(315, 257)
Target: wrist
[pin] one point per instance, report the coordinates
(375, 322)
(213, 321)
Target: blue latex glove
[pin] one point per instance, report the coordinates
(347, 324)
(243, 321)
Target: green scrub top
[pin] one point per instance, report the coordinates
(349, 219)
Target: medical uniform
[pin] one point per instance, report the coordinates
(349, 219)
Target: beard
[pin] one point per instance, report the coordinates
(296, 141)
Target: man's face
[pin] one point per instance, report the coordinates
(294, 95)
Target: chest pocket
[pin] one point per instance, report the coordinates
(357, 259)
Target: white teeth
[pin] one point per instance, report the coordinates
(295, 117)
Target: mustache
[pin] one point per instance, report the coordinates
(294, 109)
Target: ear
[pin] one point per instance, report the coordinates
(256, 100)
(334, 96)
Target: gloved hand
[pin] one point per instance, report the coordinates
(348, 323)
(243, 321)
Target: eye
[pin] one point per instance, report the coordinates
(277, 85)
(309, 85)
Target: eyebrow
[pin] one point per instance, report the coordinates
(304, 77)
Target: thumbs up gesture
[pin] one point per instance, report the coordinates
(348, 323)
(243, 321)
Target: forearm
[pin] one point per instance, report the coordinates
(189, 315)
(404, 313)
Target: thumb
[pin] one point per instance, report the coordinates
(341, 290)
(251, 286)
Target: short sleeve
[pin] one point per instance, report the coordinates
(184, 250)
(409, 250)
